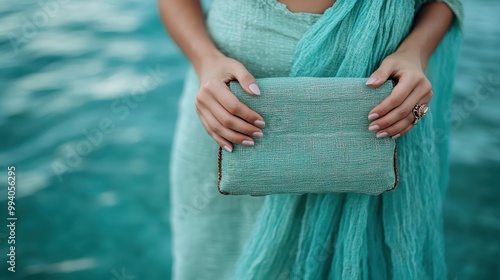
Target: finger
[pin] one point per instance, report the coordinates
(234, 106)
(232, 122)
(397, 127)
(425, 100)
(226, 145)
(403, 132)
(246, 80)
(226, 133)
(381, 75)
(218, 139)
(400, 112)
(400, 92)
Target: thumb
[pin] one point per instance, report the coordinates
(246, 80)
(381, 75)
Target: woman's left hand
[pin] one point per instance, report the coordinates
(394, 116)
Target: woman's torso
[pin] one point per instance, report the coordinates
(308, 6)
(261, 34)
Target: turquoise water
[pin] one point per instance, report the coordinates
(88, 103)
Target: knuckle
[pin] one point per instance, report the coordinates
(236, 138)
(391, 130)
(207, 87)
(383, 123)
(236, 67)
(197, 102)
(387, 124)
(219, 141)
(241, 71)
(395, 101)
(210, 84)
(227, 122)
(201, 98)
(249, 115)
(388, 62)
(208, 130)
(203, 88)
(235, 63)
(249, 129)
(402, 113)
(245, 76)
(410, 118)
(421, 77)
(215, 128)
(233, 108)
(427, 85)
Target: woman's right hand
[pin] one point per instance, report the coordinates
(224, 117)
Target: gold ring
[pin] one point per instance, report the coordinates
(419, 111)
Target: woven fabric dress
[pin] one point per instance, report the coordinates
(396, 235)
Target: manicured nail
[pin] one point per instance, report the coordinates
(371, 81)
(247, 143)
(381, 134)
(373, 116)
(396, 136)
(257, 135)
(254, 88)
(227, 149)
(260, 123)
(373, 128)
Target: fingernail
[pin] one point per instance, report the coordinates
(381, 134)
(247, 143)
(227, 149)
(260, 123)
(257, 135)
(373, 116)
(396, 136)
(254, 88)
(371, 81)
(373, 128)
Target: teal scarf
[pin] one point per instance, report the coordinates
(397, 235)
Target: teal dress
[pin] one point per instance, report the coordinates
(334, 236)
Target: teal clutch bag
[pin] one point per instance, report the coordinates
(316, 140)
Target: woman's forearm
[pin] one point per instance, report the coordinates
(431, 24)
(185, 23)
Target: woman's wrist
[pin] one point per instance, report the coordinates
(431, 24)
(206, 57)
(418, 56)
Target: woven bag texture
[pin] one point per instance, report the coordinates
(316, 140)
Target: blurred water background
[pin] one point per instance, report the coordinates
(88, 102)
